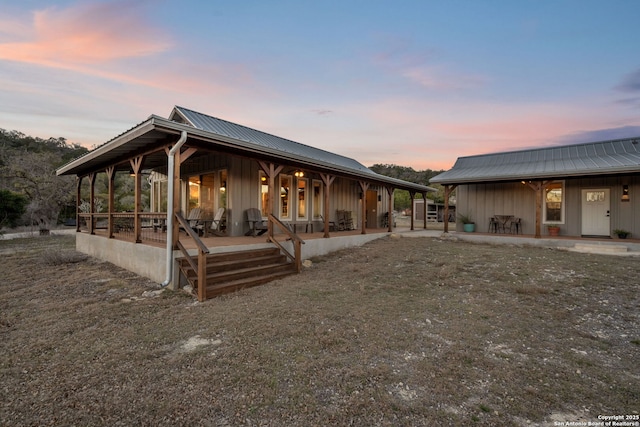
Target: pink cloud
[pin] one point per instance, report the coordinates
(84, 34)
(432, 78)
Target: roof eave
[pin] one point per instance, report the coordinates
(116, 142)
(512, 178)
(172, 127)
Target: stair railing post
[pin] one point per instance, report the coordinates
(298, 252)
(202, 276)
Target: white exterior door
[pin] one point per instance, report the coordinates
(595, 212)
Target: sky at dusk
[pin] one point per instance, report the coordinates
(413, 83)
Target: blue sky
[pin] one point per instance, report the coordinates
(414, 83)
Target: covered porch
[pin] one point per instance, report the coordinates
(208, 165)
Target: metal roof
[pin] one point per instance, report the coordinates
(593, 158)
(156, 132)
(243, 133)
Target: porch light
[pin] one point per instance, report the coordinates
(625, 193)
(298, 174)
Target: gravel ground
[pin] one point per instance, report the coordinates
(399, 332)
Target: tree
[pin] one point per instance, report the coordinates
(12, 207)
(27, 167)
(401, 198)
(34, 175)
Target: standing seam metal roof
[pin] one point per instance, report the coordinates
(243, 133)
(244, 138)
(593, 158)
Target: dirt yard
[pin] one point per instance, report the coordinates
(399, 332)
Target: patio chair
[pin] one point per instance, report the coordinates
(515, 226)
(193, 219)
(257, 226)
(493, 225)
(216, 224)
(332, 224)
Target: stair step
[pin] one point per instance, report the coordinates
(232, 271)
(214, 266)
(226, 276)
(236, 285)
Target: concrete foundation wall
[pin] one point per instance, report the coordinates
(318, 247)
(149, 261)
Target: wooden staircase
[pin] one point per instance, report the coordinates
(231, 271)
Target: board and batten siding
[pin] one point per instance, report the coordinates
(243, 191)
(484, 200)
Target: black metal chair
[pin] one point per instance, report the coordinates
(493, 225)
(515, 227)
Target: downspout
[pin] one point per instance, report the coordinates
(171, 177)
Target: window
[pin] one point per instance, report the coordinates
(222, 192)
(318, 200)
(285, 197)
(264, 194)
(201, 193)
(595, 196)
(554, 203)
(159, 193)
(302, 198)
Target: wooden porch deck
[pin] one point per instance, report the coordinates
(158, 238)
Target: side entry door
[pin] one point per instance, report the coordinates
(596, 211)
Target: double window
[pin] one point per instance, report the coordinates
(294, 193)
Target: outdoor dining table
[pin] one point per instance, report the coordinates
(503, 220)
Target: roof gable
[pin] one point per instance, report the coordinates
(594, 158)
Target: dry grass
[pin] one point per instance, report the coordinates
(398, 332)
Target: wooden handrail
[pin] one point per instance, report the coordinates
(297, 242)
(201, 266)
(185, 224)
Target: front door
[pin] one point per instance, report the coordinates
(595, 212)
(372, 209)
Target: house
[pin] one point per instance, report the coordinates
(199, 166)
(586, 189)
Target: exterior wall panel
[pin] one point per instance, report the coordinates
(484, 200)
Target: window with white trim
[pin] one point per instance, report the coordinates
(285, 197)
(303, 184)
(264, 194)
(318, 200)
(553, 206)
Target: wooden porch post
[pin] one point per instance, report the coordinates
(78, 201)
(390, 210)
(412, 195)
(538, 187)
(327, 180)
(424, 210)
(92, 202)
(178, 158)
(136, 164)
(364, 186)
(448, 189)
(271, 170)
(112, 176)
